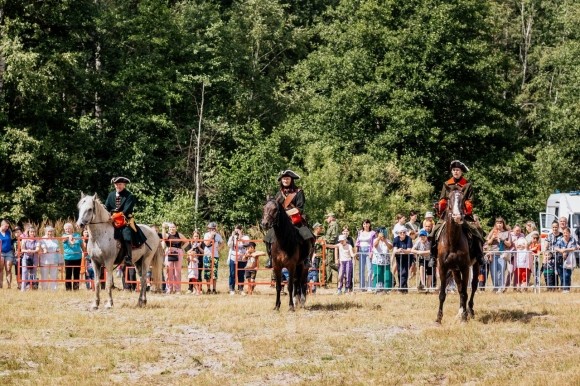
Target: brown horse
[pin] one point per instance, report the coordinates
(453, 255)
(288, 251)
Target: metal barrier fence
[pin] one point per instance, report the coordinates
(504, 270)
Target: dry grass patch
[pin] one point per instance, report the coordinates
(53, 338)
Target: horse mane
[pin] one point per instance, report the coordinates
(286, 233)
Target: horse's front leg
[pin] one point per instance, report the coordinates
(97, 284)
(109, 285)
(463, 278)
(442, 290)
(474, 284)
(278, 276)
(291, 277)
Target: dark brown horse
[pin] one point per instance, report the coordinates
(453, 255)
(288, 251)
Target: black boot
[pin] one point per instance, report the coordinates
(269, 251)
(128, 253)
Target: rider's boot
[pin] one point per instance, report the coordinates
(128, 253)
(269, 251)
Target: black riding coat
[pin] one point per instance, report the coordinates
(126, 206)
(297, 202)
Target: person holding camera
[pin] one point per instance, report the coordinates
(212, 241)
(236, 253)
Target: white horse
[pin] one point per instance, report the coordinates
(104, 249)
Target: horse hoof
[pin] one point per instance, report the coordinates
(277, 308)
(108, 306)
(291, 309)
(94, 307)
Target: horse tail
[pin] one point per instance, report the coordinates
(157, 264)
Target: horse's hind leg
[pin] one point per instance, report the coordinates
(291, 277)
(109, 286)
(474, 283)
(143, 290)
(278, 276)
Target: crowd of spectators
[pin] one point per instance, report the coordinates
(385, 258)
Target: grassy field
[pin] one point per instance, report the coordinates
(516, 338)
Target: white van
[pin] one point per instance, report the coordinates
(561, 205)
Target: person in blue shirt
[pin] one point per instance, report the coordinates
(402, 246)
(73, 254)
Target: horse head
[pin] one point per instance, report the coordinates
(269, 214)
(455, 207)
(86, 209)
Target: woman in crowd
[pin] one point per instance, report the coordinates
(364, 244)
(73, 253)
(173, 256)
(7, 255)
(49, 259)
(499, 241)
(529, 229)
(565, 248)
(30, 250)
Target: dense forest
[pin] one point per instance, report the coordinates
(202, 103)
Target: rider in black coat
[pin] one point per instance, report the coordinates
(122, 201)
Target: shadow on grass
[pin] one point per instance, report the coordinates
(502, 316)
(334, 306)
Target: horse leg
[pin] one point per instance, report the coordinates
(474, 284)
(278, 275)
(291, 276)
(303, 285)
(463, 278)
(442, 289)
(96, 281)
(143, 290)
(109, 285)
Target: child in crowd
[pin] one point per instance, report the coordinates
(345, 258)
(422, 249)
(382, 278)
(523, 264)
(251, 256)
(192, 272)
(313, 271)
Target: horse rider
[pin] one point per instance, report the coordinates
(471, 228)
(292, 200)
(120, 204)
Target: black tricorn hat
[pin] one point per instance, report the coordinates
(458, 164)
(124, 180)
(288, 173)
